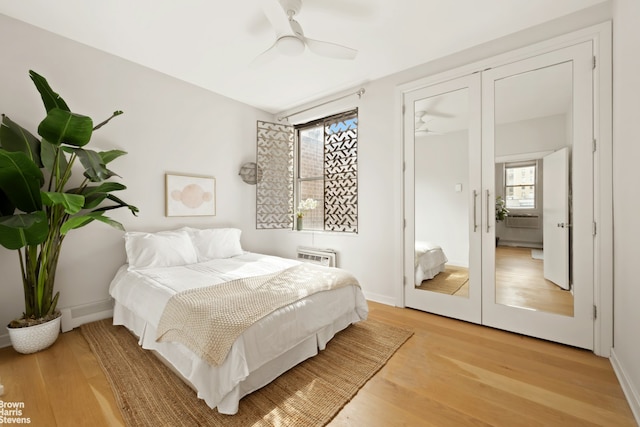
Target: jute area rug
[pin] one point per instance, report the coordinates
(310, 394)
(450, 281)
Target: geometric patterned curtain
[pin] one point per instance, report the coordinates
(274, 192)
(341, 172)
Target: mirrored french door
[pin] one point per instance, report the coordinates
(499, 197)
(442, 190)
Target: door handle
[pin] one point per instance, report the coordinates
(563, 225)
(475, 205)
(488, 199)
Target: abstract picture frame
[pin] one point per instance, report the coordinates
(190, 195)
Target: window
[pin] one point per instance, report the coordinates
(324, 168)
(520, 185)
(310, 176)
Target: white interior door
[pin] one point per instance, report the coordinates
(534, 83)
(442, 199)
(555, 208)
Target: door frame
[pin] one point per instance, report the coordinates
(601, 37)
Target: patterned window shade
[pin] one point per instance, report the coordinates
(274, 192)
(341, 172)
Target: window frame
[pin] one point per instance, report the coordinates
(536, 188)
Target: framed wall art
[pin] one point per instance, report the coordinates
(189, 195)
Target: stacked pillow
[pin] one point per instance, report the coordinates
(180, 247)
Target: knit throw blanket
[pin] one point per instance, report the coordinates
(208, 320)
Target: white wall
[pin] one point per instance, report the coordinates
(167, 126)
(531, 136)
(626, 196)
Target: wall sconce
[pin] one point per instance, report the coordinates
(250, 173)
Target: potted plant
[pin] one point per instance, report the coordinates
(501, 209)
(501, 212)
(40, 203)
(303, 207)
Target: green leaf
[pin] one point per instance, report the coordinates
(109, 221)
(105, 187)
(115, 114)
(21, 180)
(14, 137)
(94, 169)
(50, 99)
(111, 155)
(80, 221)
(64, 127)
(94, 195)
(6, 206)
(49, 152)
(20, 230)
(75, 222)
(120, 204)
(92, 201)
(73, 203)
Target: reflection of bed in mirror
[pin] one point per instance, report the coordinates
(429, 261)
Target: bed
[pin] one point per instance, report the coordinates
(164, 266)
(429, 261)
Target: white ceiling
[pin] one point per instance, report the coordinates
(210, 43)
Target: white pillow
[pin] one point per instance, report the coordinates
(215, 243)
(161, 249)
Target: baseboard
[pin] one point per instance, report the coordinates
(630, 392)
(382, 299)
(72, 317)
(516, 244)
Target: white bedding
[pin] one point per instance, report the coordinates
(429, 261)
(265, 350)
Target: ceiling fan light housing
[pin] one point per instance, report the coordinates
(290, 45)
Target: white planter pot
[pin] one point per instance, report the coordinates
(35, 338)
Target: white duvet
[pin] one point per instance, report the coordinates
(268, 348)
(429, 261)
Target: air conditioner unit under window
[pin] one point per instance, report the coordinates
(326, 257)
(523, 221)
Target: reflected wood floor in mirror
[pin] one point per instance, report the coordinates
(520, 282)
(452, 281)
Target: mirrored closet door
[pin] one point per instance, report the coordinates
(538, 164)
(499, 197)
(442, 132)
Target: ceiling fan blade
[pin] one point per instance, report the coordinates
(277, 17)
(265, 57)
(330, 50)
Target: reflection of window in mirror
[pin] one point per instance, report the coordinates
(520, 185)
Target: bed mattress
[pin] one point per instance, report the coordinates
(265, 350)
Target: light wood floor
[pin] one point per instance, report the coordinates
(520, 282)
(449, 373)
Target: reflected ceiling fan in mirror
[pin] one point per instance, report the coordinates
(290, 39)
(422, 124)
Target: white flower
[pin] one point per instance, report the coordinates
(306, 205)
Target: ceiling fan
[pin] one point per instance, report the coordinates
(290, 39)
(421, 125)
